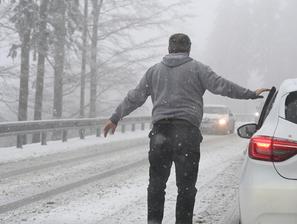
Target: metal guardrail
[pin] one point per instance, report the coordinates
(62, 126)
(45, 126)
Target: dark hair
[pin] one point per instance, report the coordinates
(179, 43)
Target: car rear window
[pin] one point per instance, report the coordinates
(291, 107)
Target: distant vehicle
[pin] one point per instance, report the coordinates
(268, 186)
(217, 119)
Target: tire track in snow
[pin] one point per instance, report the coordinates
(87, 154)
(221, 205)
(68, 187)
(83, 154)
(135, 212)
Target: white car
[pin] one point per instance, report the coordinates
(268, 185)
(217, 119)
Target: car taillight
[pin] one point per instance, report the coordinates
(271, 149)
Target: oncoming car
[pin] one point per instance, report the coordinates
(268, 185)
(217, 119)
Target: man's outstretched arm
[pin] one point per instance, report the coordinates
(134, 99)
(220, 86)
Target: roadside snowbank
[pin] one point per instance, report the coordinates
(12, 154)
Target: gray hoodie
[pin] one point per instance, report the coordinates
(176, 86)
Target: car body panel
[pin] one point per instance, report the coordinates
(286, 130)
(267, 195)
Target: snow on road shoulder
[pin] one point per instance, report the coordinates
(121, 198)
(217, 196)
(12, 154)
(222, 206)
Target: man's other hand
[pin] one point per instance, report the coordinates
(109, 127)
(260, 91)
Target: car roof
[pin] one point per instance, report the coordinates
(287, 86)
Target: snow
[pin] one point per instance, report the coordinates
(121, 198)
(92, 207)
(12, 154)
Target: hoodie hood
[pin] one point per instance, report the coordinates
(176, 59)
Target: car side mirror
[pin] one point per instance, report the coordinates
(247, 130)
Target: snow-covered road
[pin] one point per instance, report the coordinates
(107, 185)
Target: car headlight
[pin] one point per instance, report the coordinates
(222, 121)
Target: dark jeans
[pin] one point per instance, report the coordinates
(179, 142)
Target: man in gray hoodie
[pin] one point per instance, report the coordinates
(176, 86)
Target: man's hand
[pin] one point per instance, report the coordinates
(109, 127)
(260, 91)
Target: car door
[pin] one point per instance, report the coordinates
(285, 137)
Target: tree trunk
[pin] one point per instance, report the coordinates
(25, 37)
(59, 55)
(24, 84)
(83, 68)
(42, 49)
(93, 80)
(83, 63)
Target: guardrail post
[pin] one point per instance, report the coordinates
(43, 138)
(98, 132)
(123, 127)
(133, 127)
(142, 126)
(19, 141)
(82, 133)
(64, 136)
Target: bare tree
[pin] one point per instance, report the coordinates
(42, 49)
(24, 19)
(60, 34)
(83, 66)
(116, 64)
(93, 81)
(84, 60)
